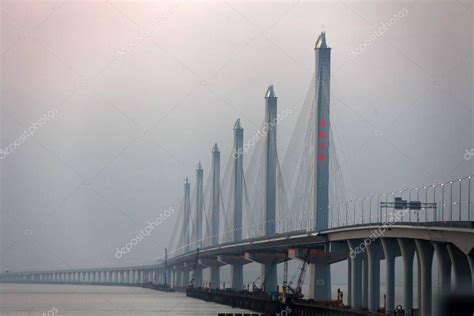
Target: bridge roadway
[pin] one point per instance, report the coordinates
(363, 246)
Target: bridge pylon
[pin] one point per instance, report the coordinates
(320, 274)
(269, 270)
(238, 177)
(199, 214)
(215, 210)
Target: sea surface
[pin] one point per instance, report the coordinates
(81, 300)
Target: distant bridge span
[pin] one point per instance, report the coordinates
(452, 244)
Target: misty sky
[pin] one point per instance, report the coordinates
(144, 89)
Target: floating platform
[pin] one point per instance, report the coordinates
(158, 287)
(263, 303)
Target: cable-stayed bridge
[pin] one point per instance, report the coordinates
(297, 208)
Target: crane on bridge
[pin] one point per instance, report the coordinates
(297, 292)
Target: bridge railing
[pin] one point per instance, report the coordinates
(443, 204)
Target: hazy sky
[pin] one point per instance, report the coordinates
(142, 90)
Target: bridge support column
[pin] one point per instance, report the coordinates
(320, 282)
(365, 281)
(237, 277)
(373, 282)
(407, 249)
(389, 249)
(471, 263)
(462, 271)
(269, 263)
(424, 250)
(179, 278)
(349, 282)
(356, 275)
(444, 263)
(269, 273)
(215, 277)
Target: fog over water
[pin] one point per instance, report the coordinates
(142, 90)
(34, 300)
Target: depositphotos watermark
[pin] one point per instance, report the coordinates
(146, 32)
(384, 26)
(469, 154)
(51, 312)
(27, 133)
(377, 233)
(261, 133)
(143, 233)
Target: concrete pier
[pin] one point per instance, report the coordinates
(389, 247)
(407, 249)
(444, 263)
(425, 252)
(373, 282)
(461, 269)
(356, 276)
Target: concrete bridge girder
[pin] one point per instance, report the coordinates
(183, 267)
(211, 262)
(190, 266)
(462, 238)
(317, 256)
(233, 259)
(267, 257)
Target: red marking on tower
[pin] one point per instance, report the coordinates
(323, 135)
(323, 123)
(322, 158)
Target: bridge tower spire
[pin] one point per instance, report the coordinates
(187, 213)
(269, 270)
(215, 209)
(183, 277)
(199, 210)
(237, 268)
(320, 284)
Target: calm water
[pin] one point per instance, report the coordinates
(80, 300)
